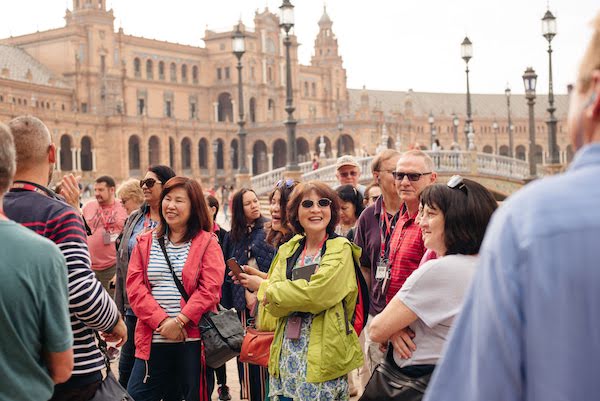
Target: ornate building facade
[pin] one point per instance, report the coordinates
(116, 103)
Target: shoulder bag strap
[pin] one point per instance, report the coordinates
(102, 346)
(161, 242)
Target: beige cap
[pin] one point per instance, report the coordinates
(346, 160)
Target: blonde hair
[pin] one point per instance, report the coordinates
(131, 189)
(591, 58)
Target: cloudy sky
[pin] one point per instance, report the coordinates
(386, 44)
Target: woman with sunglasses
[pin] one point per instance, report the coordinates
(453, 222)
(181, 252)
(312, 292)
(248, 245)
(131, 195)
(140, 221)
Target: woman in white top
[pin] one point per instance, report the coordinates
(453, 223)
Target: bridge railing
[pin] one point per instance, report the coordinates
(263, 183)
(488, 164)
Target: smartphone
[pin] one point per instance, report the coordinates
(234, 266)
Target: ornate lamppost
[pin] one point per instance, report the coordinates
(455, 123)
(239, 48)
(340, 127)
(530, 80)
(466, 52)
(431, 121)
(286, 23)
(495, 128)
(549, 31)
(510, 126)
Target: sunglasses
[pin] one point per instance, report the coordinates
(285, 183)
(347, 174)
(456, 182)
(149, 182)
(323, 202)
(398, 175)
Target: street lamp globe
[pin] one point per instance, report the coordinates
(495, 125)
(507, 91)
(430, 119)
(238, 42)
(549, 26)
(466, 50)
(529, 81)
(286, 15)
(455, 120)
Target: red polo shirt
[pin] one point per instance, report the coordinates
(406, 251)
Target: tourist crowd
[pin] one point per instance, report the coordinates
(397, 290)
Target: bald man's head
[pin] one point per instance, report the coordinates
(32, 141)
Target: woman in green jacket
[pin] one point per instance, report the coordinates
(315, 346)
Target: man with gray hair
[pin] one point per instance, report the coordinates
(32, 204)
(35, 352)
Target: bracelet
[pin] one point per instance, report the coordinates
(179, 323)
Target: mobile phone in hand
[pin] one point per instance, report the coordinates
(234, 266)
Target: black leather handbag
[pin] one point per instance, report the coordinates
(222, 332)
(388, 383)
(110, 389)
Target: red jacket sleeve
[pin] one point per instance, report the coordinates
(211, 276)
(141, 300)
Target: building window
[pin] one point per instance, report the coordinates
(184, 76)
(173, 72)
(305, 89)
(168, 111)
(149, 69)
(103, 64)
(84, 107)
(195, 74)
(141, 107)
(252, 72)
(137, 68)
(219, 77)
(161, 70)
(193, 108)
(227, 73)
(269, 74)
(313, 88)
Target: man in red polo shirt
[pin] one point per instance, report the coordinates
(414, 172)
(106, 218)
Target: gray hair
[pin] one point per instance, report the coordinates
(8, 163)
(419, 153)
(32, 140)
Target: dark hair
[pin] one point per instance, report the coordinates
(467, 212)
(238, 218)
(164, 173)
(200, 218)
(107, 179)
(285, 188)
(348, 193)
(213, 202)
(322, 190)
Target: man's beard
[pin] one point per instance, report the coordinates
(50, 173)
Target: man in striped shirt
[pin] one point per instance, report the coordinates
(414, 172)
(32, 204)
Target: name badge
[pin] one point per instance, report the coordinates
(382, 270)
(106, 238)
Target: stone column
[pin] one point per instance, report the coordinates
(250, 164)
(74, 159)
(94, 160)
(270, 160)
(216, 110)
(58, 158)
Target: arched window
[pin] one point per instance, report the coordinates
(184, 75)
(172, 153)
(137, 68)
(219, 156)
(87, 163)
(234, 154)
(161, 70)
(260, 164)
(173, 72)
(225, 108)
(520, 152)
(305, 89)
(279, 153)
(154, 150)
(269, 74)
(66, 154)
(271, 109)
(203, 153)
(134, 152)
(488, 149)
(252, 112)
(186, 154)
(503, 150)
(538, 154)
(149, 69)
(313, 89)
(195, 74)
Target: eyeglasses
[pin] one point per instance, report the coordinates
(456, 182)
(323, 203)
(149, 182)
(398, 175)
(347, 174)
(287, 183)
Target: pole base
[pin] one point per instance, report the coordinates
(242, 181)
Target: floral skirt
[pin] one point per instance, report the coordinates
(292, 382)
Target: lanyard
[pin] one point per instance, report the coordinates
(28, 187)
(388, 228)
(111, 218)
(303, 256)
(148, 222)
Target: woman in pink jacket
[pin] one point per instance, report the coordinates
(167, 338)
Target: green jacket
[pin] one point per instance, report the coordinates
(332, 350)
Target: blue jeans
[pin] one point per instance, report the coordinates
(128, 351)
(176, 364)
